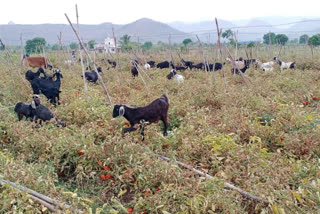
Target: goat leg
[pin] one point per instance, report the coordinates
(165, 123)
(142, 131)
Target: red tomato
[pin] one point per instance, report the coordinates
(103, 177)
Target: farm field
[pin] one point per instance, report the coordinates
(263, 138)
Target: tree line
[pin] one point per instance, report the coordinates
(37, 44)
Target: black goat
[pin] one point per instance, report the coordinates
(42, 113)
(30, 75)
(187, 63)
(49, 88)
(151, 63)
(25, 110)
(162, 65)
(112, 63)
(92, 76)
(155, 111)
(196, 66)
(217, 66)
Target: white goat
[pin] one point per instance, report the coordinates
(267, 66)
(284, 65)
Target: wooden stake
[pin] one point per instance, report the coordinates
(81, 59)
(205, 63)
(219, 31)
(116, 50)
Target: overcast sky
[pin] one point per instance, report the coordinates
(126, 11)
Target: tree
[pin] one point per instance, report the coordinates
(281, 39)
(303, 39)
(251, 45)
(35, 45)
(227, 34)
(147, 45)
(186, 42)
(314, 40)
(91, 44)
(267, 37)
(124, 41)
(73, 45)
(55, 47)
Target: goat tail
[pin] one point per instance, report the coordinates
(165, 98)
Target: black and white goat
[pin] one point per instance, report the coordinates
(238, 65)
(151, 63)
(134, 68)
(284, 65)
(155, 111)
(177, 77)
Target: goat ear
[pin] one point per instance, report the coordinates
(121, 111)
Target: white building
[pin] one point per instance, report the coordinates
(108, 46)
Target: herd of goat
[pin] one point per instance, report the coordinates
(157, 110)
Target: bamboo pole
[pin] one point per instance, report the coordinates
(116, 50)
(95, 68)
(81, 59)
(22, 50)
(219, 31)
(170, 49)
(48, 202)
(205, 62)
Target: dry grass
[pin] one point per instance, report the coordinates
(261, 139)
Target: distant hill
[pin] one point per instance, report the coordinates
(147, 29)
(150, 30)
(250, 33)
(199, 27)
(11, 33)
